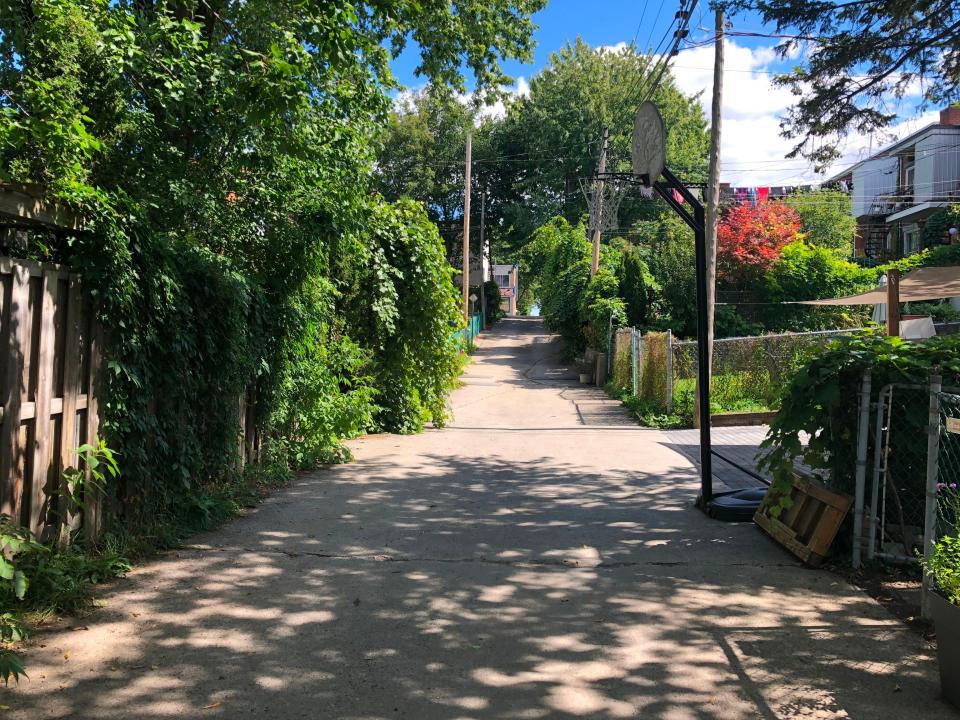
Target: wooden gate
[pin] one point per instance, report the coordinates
(49, 393)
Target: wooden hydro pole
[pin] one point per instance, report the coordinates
(466, 231)
(598, 199)
(713, 202)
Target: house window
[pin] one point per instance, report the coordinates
(911, 240)
(908, 176)
(502, 280)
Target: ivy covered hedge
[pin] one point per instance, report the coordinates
(224, 154)
(821, 400)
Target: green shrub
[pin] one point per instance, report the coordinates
(638, 287)
(939, 311)
(944, 566)
(599, 305)
(820, 402)
(935, 227)
(809, 272)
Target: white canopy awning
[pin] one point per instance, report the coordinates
(927, 283)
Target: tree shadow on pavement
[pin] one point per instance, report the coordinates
(481, 589)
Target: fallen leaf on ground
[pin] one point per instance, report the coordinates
(66, 655)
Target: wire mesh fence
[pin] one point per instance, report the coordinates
(914, 470)
(623, 361)
(948, 464)
(749, 373)
(899, 473)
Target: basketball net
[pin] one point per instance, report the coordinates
(603, 200)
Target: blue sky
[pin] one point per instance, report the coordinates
(598, 22)
(752, 149)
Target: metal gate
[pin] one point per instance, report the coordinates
(910, 450)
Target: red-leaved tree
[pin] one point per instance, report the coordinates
(750, 238)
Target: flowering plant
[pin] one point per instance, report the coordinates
(944, 561)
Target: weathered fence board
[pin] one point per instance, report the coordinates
(48, 391)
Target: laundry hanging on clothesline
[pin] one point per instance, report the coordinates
(757, 195)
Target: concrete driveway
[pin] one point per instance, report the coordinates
(539, 558)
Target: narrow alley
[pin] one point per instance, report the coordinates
(539, 558)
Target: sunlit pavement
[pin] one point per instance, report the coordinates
(538, 558)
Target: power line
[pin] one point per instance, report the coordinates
(680, 34)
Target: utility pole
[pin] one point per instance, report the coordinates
(466, 231)
(598, 200)
(483, 255)
(713, 197)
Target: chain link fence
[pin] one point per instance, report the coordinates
(748, 372)
(908, 471)
(897, 496)
(948, 463)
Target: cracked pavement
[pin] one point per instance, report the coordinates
(539, 558)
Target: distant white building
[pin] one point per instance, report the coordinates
(507, 278)
(896, 189)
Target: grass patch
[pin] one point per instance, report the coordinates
(729, 394)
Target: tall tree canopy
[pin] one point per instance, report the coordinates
(826, 218)
(530, 161)
(550, 139)
(856, 59)
(222, 152)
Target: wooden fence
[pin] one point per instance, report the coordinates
(49, 394)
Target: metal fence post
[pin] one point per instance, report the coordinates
(669, 368)
(634, 352)
(863, 435)
(609, 344)
(878, 460)
(930, 503)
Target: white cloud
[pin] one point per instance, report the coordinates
(620, 46)
(752, 149)
(403, 100)
(498, 108)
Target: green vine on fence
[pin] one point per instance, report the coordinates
(233, 242)
(821, 400)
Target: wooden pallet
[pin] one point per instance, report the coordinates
(808, 527)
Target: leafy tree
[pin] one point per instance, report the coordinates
(566, 274)
(672, 254)
(550, 139)
(535, 256)
(865, 53)
(749, 240)
(638, 287)
(826, 219)
(936, 227)
(599, 305)
(422, 156)
(810, 272)
(223, 154)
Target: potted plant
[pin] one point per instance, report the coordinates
(943, 566)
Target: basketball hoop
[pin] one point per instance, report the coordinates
(649, 144)
(603, 199)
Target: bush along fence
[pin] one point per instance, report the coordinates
(749, 373)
